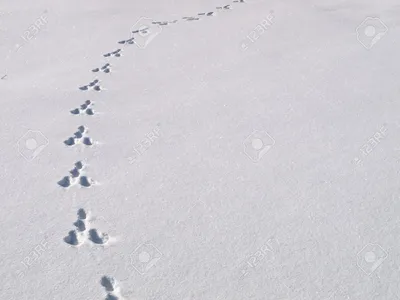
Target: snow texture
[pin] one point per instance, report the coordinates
(225, 150)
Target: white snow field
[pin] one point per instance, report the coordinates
(249, 151)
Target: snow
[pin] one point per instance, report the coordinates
(251, 154)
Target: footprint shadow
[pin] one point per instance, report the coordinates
(82, 214)
(70, 141)
(109, 283)
(80, 225)
(98, 237)
(79, 165)
(112, 288)
(75, 173)
(74, 238)
(66, 182)
(87, 141)
(85, 181)
(75, 111)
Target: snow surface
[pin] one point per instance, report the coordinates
(220, 170)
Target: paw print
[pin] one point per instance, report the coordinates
(116, 53)
(78, 236)
(105, 69)
(83, 232)
(128, 41)
(85, 108)
(76, 177)
(93, 85)
(112, 288)
(79, 138)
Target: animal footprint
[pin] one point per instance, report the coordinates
(85, 108)
(164, 23)
(75, 238)
(191, 18)
(142, 30)
(83, 232)
(94, 85)
(238, 1)
(105, 69)
(116, 53)
(78, 236)
(76, 177)
(79, 138)
(209, 14)
(112, 288)
(85, 181)
(226, 7)
(128, 41)
(82, 214)
(98, 237)
(81, 225)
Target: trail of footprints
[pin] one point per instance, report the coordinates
(83, 231)
(146, 29)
